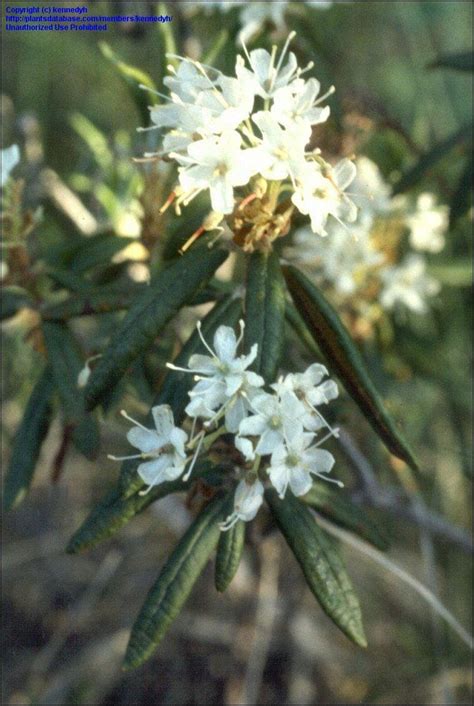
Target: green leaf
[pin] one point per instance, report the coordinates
(176, 385)
(429, 160)
(344, 358)
(175, 582)
(320, 562)
(171, 289)
(115, 511)
(229, 551)
(12, 299)
(336, 506)
(66, 363)
(461, 200)
(28, 440)
(133, 77)
(463, 61)
(92, 303)
(97, 250)
(453, 274)
(265, 312)
(216, 47)
(298, 325)
(166, 31)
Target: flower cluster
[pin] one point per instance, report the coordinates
(275, 432)
(366, 259)
(246, 137)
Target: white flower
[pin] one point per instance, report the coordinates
(274, 420)
(254, 16)
(428, 224)
(265, 77)
(310, 390)
(297, 104)
(371, 191)
(408, 284)
(247, 500)
(283, 148)
(223, 381)
(319, 195)
(229, 107)
(10, 158)
(342, 259)
(293, 463)
(187, 82)
(161, 448)
(218, 164)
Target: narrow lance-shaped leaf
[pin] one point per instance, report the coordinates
(429, 160)
(115, 511)
(66, 363)
(463, 61)
(133, 78)
(320, 562)
(461, 200)
(12, 299)
(343, 356)
(28, 440)
(338, 507)
(174, 584)
(90, 304)
(229, 551)
(167, 293)
(97, 251)
(265, 312)
(176, 385)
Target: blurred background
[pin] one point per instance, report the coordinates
(67, 618)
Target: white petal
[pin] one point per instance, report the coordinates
(245, 447)
(248, 499)
(225, 343)
(269, 441)
(235, 413)
(154, 472)
(222, 196)
(163, 419)
(318, 460)
(279, 477)
(300, 481)
(203, 364)
(178, 438)
(253, 426)
(146, 440)
(344, 173)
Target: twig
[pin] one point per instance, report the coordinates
(398, 502)
(400, 573)
(266, 610)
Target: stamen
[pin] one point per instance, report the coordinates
(206, 345)
(329, 92)
(290, 37)
(246, 51)
(333, 432)
(197, 233)
(241, 334)
(193, 462)
(154, 91)
(130, 419)
(248, 199)
(175, 367)
(147, 129)
(229, 522)
(123, 458)
(339, 483)
(168, 202)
